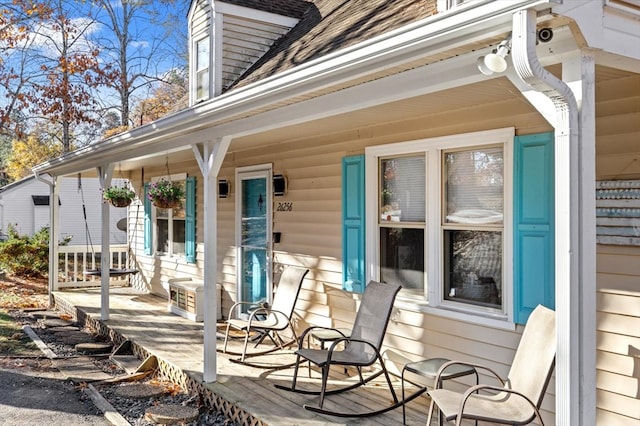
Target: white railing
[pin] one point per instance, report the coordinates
(74, 261)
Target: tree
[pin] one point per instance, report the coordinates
(29, 152)
(164, 97)
(70, 70)
(135, 52)
(17, 19)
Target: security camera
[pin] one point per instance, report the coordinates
(545, 35)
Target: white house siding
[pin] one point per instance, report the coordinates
(618, 267)
(311, 231)
(17, 208)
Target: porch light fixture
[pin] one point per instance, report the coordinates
(224, 187)
(495, 61)
(279, 185)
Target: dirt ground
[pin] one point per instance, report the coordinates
(33, 390)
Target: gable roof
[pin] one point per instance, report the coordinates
(331, 25)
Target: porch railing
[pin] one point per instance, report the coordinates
(73, 261)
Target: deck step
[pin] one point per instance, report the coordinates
(171, 414)
(123, 356)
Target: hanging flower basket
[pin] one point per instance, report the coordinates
(165, 194)
(118, 196)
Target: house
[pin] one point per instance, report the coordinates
(24, 204)
(452, 146)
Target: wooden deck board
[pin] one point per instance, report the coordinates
(145, 320)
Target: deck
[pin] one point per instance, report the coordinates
(144, 319)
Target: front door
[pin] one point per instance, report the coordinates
(253, 242)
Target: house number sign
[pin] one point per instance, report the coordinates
(285, 207)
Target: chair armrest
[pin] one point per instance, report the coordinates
(347, 340)
(235, 305)
(309, 329)
(438, 380)
(474, 389)
(263, 311)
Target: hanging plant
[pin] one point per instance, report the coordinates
(165, 194)
(118, 196)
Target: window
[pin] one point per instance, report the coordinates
(441, 228)
(402, 221)
(203, 58)
(172, 231)
(473, 188)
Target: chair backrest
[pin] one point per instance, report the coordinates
(372, 318)
(535, 357)
(288, 289)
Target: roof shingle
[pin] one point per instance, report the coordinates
(330, 25)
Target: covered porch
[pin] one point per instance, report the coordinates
(243, 394)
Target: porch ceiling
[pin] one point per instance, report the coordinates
(489, 95)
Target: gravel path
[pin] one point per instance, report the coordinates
(61, 342)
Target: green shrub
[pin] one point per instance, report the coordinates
(26, 256)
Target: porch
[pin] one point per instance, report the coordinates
(244, 394)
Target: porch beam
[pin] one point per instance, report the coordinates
(105, 173)
(210, 155)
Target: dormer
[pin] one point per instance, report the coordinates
(227, 38)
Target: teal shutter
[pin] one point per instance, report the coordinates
(148, 237)
(353, 221)
(534, 245)
(190, 220)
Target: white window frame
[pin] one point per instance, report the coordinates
(179, 177)
(433, 148)
(197, 71)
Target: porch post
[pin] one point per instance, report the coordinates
(578, 71)
(105, 172)
(54, 214)
(568, 104)
(210, 155)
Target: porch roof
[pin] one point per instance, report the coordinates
(248, 110)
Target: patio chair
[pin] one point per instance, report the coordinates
(361, 349)
(517, 401)
(268, 321)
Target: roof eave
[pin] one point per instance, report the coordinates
(382, 52)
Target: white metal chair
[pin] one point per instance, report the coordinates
(266, 320)
(517, 401)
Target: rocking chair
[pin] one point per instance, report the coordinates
(518, 400)
(267, 320)
(361, 349)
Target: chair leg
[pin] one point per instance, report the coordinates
(295, 372)
(246, 342)
(325, 378)
(430, 415)
(386, 375)
(226, 338)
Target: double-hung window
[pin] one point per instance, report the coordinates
(441, 228)
(171, 232)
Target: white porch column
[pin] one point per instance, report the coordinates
(54, 233)
(569, 105)
(578, 71)
(210, 156)
(105, 172)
